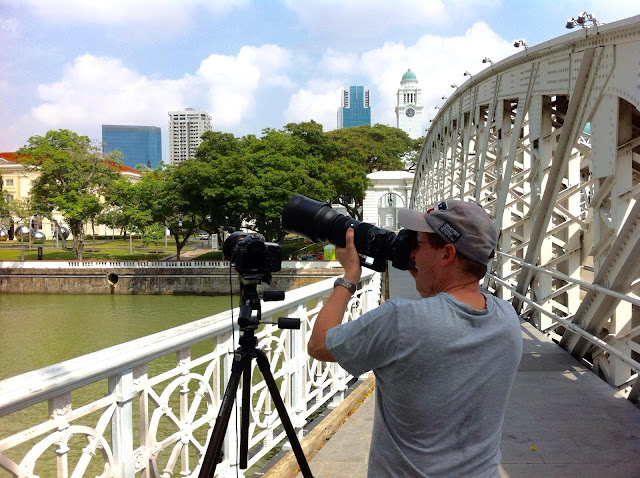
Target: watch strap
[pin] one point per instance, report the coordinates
(345, 283)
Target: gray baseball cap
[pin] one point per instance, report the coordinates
(464, 224)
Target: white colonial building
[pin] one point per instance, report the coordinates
(409, 106)
(389, 191)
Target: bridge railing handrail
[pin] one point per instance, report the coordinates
(195, 264)
(306, 386)
(18, 392)
(565, 321)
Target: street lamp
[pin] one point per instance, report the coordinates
(486, 59)
(453, 85)
(581, 20)
(444, 97)
(519, 43)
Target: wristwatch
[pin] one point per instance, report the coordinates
(345, 283)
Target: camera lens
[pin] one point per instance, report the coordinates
(230, 243)
(318, 221)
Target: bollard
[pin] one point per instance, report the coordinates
(39, 253)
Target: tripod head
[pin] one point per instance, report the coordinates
(250, 301)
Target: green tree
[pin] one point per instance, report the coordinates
(359, 151)
(160, 195)
(73, 174)
(153, 234)
(381, 147)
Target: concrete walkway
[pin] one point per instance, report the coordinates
(561, 421)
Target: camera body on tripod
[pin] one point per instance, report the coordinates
(252, 256)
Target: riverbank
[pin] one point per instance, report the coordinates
(147, 277)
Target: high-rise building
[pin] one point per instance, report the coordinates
(409, 109)
(139, 145)
(355, 108)
(185, 133)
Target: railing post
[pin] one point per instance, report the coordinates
(121, 386)
(297, 374)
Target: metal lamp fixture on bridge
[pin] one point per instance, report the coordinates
(581, 20)
(453, 85)
(519, 43)
(437, 108)
(444, 97)
(466, 73)
(486, 59)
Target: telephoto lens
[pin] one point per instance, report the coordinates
(319, 222)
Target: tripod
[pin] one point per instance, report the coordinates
(241, 367)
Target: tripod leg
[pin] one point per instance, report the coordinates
(212, 455)
(263, 364)
(244, 417)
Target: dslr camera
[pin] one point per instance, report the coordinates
(318, 221)
(252, 257)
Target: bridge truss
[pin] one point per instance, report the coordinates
(548, 142)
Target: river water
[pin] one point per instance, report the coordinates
(41, 330)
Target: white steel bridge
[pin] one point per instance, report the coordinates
(548, 141)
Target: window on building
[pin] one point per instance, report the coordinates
(8, 183)
(389, 222)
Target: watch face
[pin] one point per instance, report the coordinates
(410, 112)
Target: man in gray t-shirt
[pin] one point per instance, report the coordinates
(444, 364)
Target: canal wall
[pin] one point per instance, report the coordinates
(147, 278)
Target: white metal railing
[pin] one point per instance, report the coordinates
(565, 321)
(146, 407)
(151, 264)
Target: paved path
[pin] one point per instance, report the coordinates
(561, 421)
(191, 251)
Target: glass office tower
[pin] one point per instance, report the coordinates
(355, 109)
(139, 145)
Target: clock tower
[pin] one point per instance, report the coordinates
(409, 108)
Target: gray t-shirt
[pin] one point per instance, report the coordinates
(443, 375)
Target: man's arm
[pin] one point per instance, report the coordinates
(335, 306)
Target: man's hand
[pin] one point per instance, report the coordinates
(335, 306)
(349, 259)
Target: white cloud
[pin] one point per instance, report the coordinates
(371, 18)
(148, 15)
(319, 100)
(233, 82)
(99, 87)
(437, 61)
(9, 25)
(95, 90)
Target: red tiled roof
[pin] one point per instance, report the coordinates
(11, 156)
(122, 167)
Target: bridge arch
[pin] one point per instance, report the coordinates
(548, 141)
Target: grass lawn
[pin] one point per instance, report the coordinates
(116, 250)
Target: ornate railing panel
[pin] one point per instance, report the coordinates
(147, 407)
(548, 141)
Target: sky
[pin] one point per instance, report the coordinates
(252, 64)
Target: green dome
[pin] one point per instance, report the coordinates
(409, 76)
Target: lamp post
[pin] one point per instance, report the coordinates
(582, 19)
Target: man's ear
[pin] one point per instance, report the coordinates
(449, 253)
